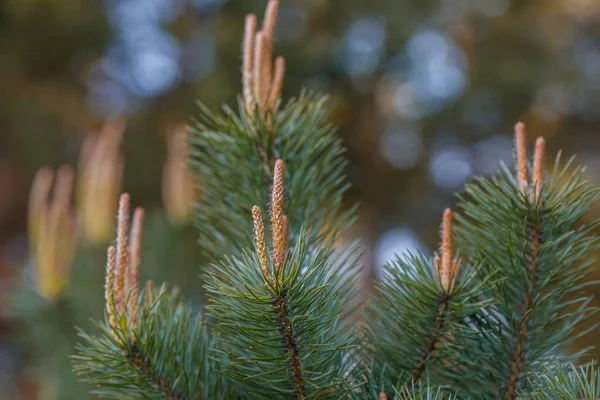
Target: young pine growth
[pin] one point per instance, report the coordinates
(283, 316)
(153, 349)
(528, 235)
(421, 317)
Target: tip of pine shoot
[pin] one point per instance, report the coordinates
(521, 153)
(445, 265)
(539, 157)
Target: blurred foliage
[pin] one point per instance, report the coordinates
(425, 95)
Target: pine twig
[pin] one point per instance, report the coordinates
(535, 241)
(279, 225)
(435, 338)
(445, 268)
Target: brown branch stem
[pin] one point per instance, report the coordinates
(434, 339)
(144, 365)
(286, 330)
(535, 242)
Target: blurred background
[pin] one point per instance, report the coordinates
(425, 95)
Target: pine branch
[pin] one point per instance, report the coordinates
(296, 340)
(418, 329)
(528, 235)
(159, 352)
(422, 316)
(169, 357)
(535, 241)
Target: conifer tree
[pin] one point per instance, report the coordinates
(488, 317)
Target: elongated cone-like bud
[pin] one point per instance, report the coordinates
(521, 150)
(52, 230)
(382, 396)
(179, 185)
(135, 255)
(538, 166)
(248, 63)
(259, 237)
(445, 266)
(261, 81)
(99, 181)
(122, 269)
(259, 66)
(122, 253)
(277, 223)
(268, 30)
(109, 286)
(277, 84)
(533, 190)
(270, 20)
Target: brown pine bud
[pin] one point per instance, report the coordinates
(270, 20)
(261, 81)
(248, 63)
(122, 253)
(538, 166)
(521, 150)
(277, 84)
(109, 286)
(258, 75)
(445, 265)
(134, 266)
(277, 224)
(259, 236)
